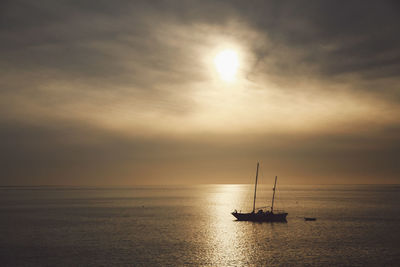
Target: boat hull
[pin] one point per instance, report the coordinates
(260, 217)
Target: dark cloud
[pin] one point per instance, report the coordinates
(339, 38)
(359, 37)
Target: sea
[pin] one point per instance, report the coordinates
(357, 225)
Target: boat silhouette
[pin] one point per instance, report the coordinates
(262, 215)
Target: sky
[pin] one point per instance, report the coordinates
(129, 92)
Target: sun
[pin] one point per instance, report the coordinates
(227, 64)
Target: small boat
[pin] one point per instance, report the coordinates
(261, 215)
(310, 219)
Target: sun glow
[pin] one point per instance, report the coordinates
(227, 64)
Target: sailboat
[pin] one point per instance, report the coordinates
(261, 215)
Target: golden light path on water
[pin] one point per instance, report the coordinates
(225, 235)
(231, 242)
(228, 242)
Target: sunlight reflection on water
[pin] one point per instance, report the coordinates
(192, 225)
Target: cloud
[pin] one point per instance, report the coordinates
(113, 86)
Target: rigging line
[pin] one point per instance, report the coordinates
(260, 190)
(280, 198)
(266, 187)
(260, 185)
(248, 188)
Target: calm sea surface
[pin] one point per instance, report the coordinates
(159, 226)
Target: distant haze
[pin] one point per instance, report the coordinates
(126, 92)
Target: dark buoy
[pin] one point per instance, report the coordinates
(310, 219)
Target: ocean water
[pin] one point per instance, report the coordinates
(357, 225)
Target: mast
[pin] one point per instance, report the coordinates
(273, 194)
(255, 189)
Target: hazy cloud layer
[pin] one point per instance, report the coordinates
(115, 92)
